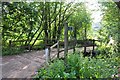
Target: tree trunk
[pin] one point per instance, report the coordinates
(45, 25)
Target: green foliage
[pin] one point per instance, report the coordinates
(79, 67)
(52, 70)
(38, 20)
(105, 51)
(11, 51)
(80, 20)
(110, 23)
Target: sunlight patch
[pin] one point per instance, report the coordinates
(25, 67)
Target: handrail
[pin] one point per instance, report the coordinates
(54, 45)
(47, 52)
(29, 40)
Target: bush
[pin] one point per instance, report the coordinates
(11, 51)
(79, 67)
(107, 50)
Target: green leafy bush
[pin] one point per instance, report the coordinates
(106, 50)
(79, 67)
(11, 51)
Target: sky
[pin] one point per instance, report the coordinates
(96, 13)
(94, 8)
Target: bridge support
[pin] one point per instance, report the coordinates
(47, 55)
(65, 42)
(58, 50)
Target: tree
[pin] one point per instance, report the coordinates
(32, 21)
(110, 23)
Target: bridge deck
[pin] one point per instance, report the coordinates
(24, 65)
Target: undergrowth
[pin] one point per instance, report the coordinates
(79, 67)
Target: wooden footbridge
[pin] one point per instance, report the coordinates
(29, 63)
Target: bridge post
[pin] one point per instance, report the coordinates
(75, 38)
(47, 55)
(93, 44)
(29, 47)
(65, 42)
(74, 44)
(85, 46)
(58, 50)
(10, 45)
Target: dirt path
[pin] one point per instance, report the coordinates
(24, 65)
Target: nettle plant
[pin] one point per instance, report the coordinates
(79, 67)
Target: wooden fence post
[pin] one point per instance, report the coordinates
(29, 47)
(74, 44)
(66, 42)
(49, 59)
(47, 55)
(58, 50)
(75, 38)
(93, 44)
(10, 45)
(85, 46)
